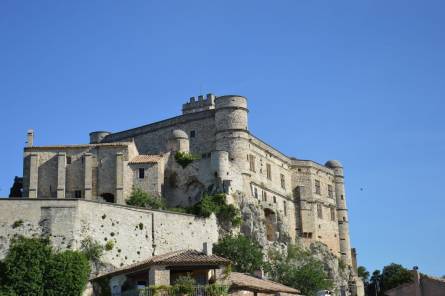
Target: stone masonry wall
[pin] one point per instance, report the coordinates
(137, 234)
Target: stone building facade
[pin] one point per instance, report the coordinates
(294, 199)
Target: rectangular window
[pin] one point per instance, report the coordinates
(255, 192)
(320, 211)
(285, 208)
(317, 187)
(332, 214)
(269, 171)
(141, 173)
(78, 194)
(192, 134)
(68, 160)
(264, 195)
(274, 199)
(283, 182)
(330, 192)
(252, 162)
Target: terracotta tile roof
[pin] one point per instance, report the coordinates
(177, 258)
(146, 159)
(244, 281)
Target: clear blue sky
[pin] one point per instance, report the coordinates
(358, 81)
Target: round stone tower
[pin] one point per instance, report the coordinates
(232, 134)
(342, 211)
(98, 136)
(178, 141)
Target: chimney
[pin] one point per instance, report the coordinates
(30, 138)
(207, 249)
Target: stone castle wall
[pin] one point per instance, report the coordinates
(232, 160)
(137, 234)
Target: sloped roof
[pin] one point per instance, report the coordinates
(176, 258)
(244, 281)
(144, 158)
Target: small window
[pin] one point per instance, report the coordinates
(283, 182)
(141, 173)
(332, 214)
(252, 162)
(330, 191)
(255, 192)
(269, 171)
(264, 195)
(317, 187)
(78, 194)
(342, 196)
(285, 208)
(319, 211)
(68, 160)
(274, 199)
(192, 134)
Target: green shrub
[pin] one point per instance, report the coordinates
(17, 223)
(109, 245)
(245, 254)
(92, 249)
(67, 274)
(140, 198)
(25, 265)
(217, 204)
(298, 269)
(185, 158)
(184, 285)
(31, 267)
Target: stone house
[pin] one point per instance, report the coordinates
(164, 270)
(204, 268)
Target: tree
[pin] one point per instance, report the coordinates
(300, 270)
(31, 267)
(245, 254)
(26, 264)
(67, 274)
(363, 273)
(140, 198)
(394, 275)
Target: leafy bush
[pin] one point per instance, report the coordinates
(245, 253)
(217, 204)
(67, 274)
(109, 245)
(92, 249)
(298, 269)
(184, 285)
(25, 266)
(185, 158)
(394, 275)
(140, 198)
(17, 223)
(31, 267)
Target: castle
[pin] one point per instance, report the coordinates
(294, 199)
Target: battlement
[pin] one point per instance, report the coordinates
(201, 104)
